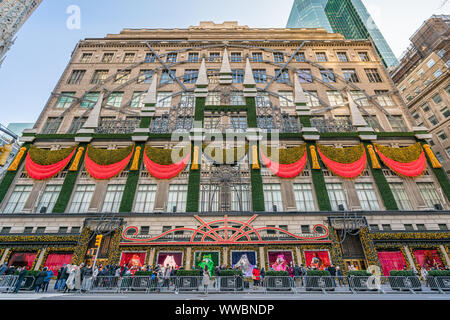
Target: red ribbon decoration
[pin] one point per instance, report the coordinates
(42, 172)
(286, 171)
(164, 172)
(104, 172)
(345, 170)
(411, 169)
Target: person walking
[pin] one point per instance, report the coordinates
(22, 275)
(70, 283)
(64, 275)
(332, 271)
(38, 284)
(256, 278)
(340, 276)
(77, 280)
(47, 279)
(3, 269)
(206, 279)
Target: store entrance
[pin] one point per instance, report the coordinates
(355, 264)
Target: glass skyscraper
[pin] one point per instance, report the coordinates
(348, 17)
(309, 14)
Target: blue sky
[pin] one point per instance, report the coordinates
(42, 50)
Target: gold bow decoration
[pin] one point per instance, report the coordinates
(373, 157)
(135, 164)
(315, 159)
(195, 157)
(15, 164)
(434, 161)
(255, 161)
(76, 161)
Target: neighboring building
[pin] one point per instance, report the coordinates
(139, 87)
(424, 82)
(13, 14)
(7, 137)
(348, 17)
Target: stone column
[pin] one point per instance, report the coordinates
(40, 258)
(34, 196)
(287, 194)
(151, 256)
(188, 258)
(262, 258)
(161, 197)
(445, 255)
(299, 256)
(98, 196)
(3, 258)
(409, 256)
(225, 256)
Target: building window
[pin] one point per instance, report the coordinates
(40, 230)
(113, 198)
(213, 98)
(443, 227)
(409, 227)
(214, 57)
(86, 58)
(257, 57)
(312, 100)
(164, 100)
(305, 76)
(177, 198)
(193, 57)
(386, 227)
(17, 200)
(28, 230)
(145, 76)
(63, 230)
(187, 100)
(397, 123)
(166, 77)
(437, 73)
(360, 98)
(282, 77)
(286, 98)
(115, 99)
(441, 135)
(384, 99)
(445, 112)
(374, 228)
(433, 120)
(149, 58)
(89, 100)
(337, 196)
(429, 194)
(260, 75)
(65, 100)
(82, 198)
(137, 99)
(238, 123)
(236, 57)
(321, 57)
(76, 124)
(52, 125)
(190, 76)
(108, 57)
(122, 76)
(240, 198)
(363, 56)
(171, 58)
(300, 57)
(335, 98)
(327, 76)
(99, 76)
(237, 75)
(430, 63)
(401, 198)
(129, 57)
(437, 98)
(304, 197)
(278, 57)
(350, 75)
(209, 198)
(144, 230)
(48, 199)
(342, 57)
(367, 196)
(272, 198)
(237, 98)
(76, 77)
(5, 230)
(373, 75)
(75, 230)
(262, 99)
(305, 229)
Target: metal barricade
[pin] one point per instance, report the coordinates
(278, 284)
(322, 284)
(105, 284)
(438, 284)
(8, 283)
(189, 283)
(229, 284)
(138, 284)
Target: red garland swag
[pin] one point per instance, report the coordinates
(164, 172)
(286, 171)
(42, 172)
(412, 169)
(345, 170)
(105, 172)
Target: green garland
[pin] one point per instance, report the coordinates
(114, 248)
(383, 186)
(342, 155)
(46, 157)
(405, 154)
(199, 109)
(81, 248)
(319, 185)
(126, 205)
(257, 191)
(369, 248)
(288, 155)
(252, 121)
(106, 157)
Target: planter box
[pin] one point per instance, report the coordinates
(359, 283)
(232, 284)
(187, 283)
(278, 283)
(319, 283)
(405, 283)
(439, 282)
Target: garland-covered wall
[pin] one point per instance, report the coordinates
(126, 205)
(319, 184)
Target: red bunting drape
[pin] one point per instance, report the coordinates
(40, 172)
(286, 171)
(160, 171)
(104, 172)
(411, 169)
(345, 170)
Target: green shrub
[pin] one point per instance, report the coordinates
(439, 273)
(359, 273)
(229, 273)
(318, 273)
(401, 273)
(272, 273)
(188, 273)
(143, 274)
(33, 273)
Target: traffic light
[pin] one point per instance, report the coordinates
(98, 240)
(5, 151)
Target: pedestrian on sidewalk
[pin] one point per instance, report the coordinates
(47, 279)
(22, 274)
